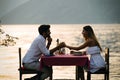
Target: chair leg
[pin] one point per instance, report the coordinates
(88, 76)
(50, 77)
(20, 76)
(107, 76)
(51, 74)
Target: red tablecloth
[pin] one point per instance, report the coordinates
(64, 60)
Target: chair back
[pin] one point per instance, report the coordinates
(20, 58)
(107, 58)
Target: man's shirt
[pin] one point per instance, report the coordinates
(37, 48)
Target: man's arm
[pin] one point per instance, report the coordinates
(57, 48)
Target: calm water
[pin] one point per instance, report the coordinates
(107, 34)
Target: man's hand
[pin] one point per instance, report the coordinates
(49, 40)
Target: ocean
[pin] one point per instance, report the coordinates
(108, 35)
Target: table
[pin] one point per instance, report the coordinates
(67, 60)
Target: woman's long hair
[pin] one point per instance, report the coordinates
(92, 35)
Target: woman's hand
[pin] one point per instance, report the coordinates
(62, 44)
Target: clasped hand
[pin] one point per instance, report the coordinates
(62, 44)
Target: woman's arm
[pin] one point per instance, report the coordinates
(87, 43)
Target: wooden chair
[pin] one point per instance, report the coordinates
(22, 70)
(105, 70)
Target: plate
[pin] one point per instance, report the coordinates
(76, 53)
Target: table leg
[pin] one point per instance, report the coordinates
(79, 73)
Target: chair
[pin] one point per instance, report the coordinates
(22, 70)
(105, 70)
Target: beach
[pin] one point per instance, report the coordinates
(108, 35)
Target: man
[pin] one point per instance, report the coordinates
(38, 47)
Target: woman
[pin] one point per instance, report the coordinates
(93, 49)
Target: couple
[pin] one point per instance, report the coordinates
(39, 47)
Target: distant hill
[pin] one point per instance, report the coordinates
(59, 11)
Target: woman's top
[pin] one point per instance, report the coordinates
(96, 60)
